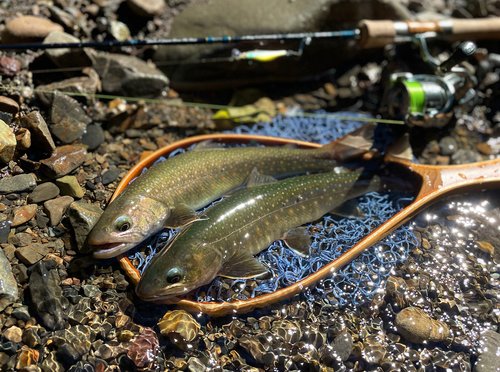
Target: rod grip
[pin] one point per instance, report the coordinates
(376, 34)
(475, 29)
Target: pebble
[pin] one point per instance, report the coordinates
(23, 214)
(68, 119)
(119, 30)
(4, 231)
(39, 130)
(23, 138)
(69, 186)
(26, 359)
(13, 334)
(32, 253)
(7, 143)
(22, 313)
(489, 348)
(63, 160)
(25, 29)
(111, 175)
(19, 183)
(43, 192)
(8, 284)
(448, 145)
(146, 8)
(9, 67)
(144, 349)
(56, 208)
(8, 104)
(20, 239)
(93, 137)
(463, 156)
(83, 216)
(179, 323)
(416, 326)
(30, 337)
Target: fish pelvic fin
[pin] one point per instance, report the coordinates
(183, 215)
(243, 265)
(349, 209)
(354, 144)
(298, 240)
(255, 178)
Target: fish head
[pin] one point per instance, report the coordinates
(175, 272)
(125, 223)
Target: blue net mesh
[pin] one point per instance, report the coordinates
(353, 284)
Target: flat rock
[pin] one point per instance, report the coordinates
(63, 160)
(56, 208)
(32, 253)
(488, 360)
(43, 192)
(40, 133)
(93, 137)
(8, 105)
(14, 334)
(19, 183)
(7, 143)
(147, 8)
(83, 217)
(69, 186)
(68, 119)
(129, 75)
(4, 231)
(23, 214)
(67, 57)
(20, 239)
(25, 29)
(8, 284)
(416, 326)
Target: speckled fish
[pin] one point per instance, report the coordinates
(243, 225)
(168, 194)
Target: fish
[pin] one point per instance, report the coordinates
(242, 225)
(169, 193)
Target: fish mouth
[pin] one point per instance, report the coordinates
(110, 250)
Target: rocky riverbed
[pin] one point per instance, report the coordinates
(64, 149)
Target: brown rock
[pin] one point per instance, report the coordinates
(23, 138)
(416, 326)
(8, 105)
(63, 160)
(68, 57)
(146, 8)
(13, 334)
(39, 130)
(25, 29)
(68, 118)
(144, 349)
(485, 148)
(32, 253)
(9, 66)
(23, 214)
(56, 208)
(7, 143)
(27, 357)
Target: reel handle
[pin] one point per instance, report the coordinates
(375, 34)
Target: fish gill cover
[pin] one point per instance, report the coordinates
(353, 284)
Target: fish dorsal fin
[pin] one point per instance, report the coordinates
(354, 144)
(207, 145)
(243, 265)
(298, 240)
(183, 215)
(349, 209)
(256, 178)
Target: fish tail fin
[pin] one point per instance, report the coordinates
(352, 145)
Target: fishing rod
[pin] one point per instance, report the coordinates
(369, 34)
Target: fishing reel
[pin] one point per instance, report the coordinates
(427, 100)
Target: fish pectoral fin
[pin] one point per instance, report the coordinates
(349, 209)
(208, 145)
(243, 266)
(256, 178)
(298, 240)
(183, 215)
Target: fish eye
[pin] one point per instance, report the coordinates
(174, 275)
(123, 223)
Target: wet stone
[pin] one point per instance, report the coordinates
(21, 313)
(489, 346)
(30, 337)
(43, 192)
(342, 344)
(51, 364)
(69, 186)
(8, 104)
(56, 208)
(26, 358)
(195, 365)
(9, 347)
(21, 239)
(144, 349)
(68, 119)
(32, 253)
(28, 28)
(179, 326)
(93, 137)
(39, 130)
(110, 175)
(63, 160)
(13, 334)
(24, 214)
(19, 183)
(448, 145)
(90, 290)
(21, 273)
(7, 143)
(83, 217)
(8, 284)
(416, 326)
(463, 156)
(4, 231)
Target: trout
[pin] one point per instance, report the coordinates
(168, 194)
(242, 225)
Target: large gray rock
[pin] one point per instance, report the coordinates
(8, 284)
(21, 182)
(251, 17)
(488, 361)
